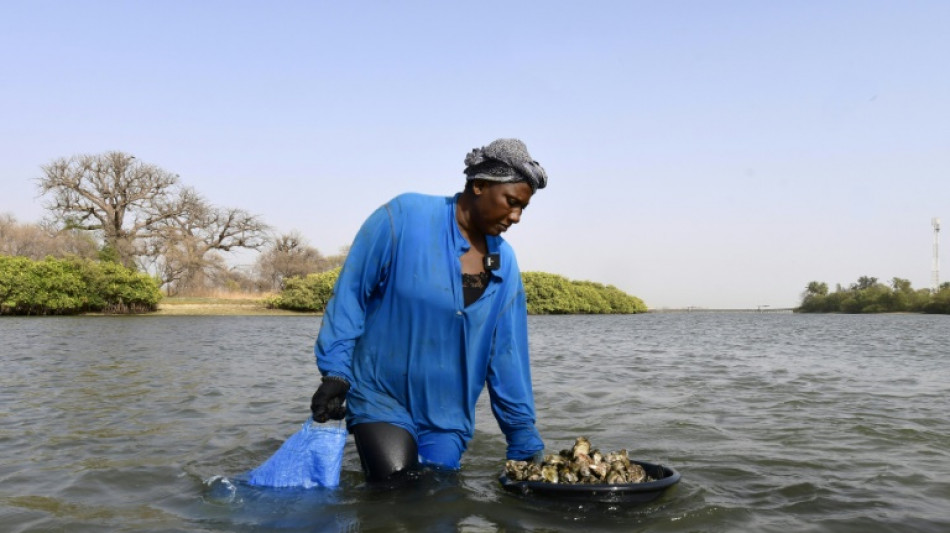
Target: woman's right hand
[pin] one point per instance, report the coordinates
(327, 402)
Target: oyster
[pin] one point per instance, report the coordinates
(579, 464)
(598, 470)
(581, 447)
(636, 474)
(596, 457)
(516, 470)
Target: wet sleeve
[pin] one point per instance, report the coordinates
(509, 381)
(364, 272)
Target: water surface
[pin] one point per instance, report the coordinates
(777, 422)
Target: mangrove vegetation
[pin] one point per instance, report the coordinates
(868, 295)
(72, 286)
(546, 294)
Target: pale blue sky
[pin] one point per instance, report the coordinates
(714, 154)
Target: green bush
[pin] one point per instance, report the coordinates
(118, 289)
(552, 294)
(310, 293)
(71, 286)
(548, 294)
(869, 296)
(939, 303)
(14, 287)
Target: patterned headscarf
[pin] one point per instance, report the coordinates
(505, 161)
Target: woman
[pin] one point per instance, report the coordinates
(429, 307)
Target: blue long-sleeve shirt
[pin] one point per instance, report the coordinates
(397, 328)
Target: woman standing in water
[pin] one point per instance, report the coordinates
(428, 309)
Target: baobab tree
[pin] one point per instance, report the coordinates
(144, 216)
(187, 249)
(114, 194)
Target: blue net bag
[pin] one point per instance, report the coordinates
(311, 457)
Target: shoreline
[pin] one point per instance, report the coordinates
(195, 306)
(189, 306)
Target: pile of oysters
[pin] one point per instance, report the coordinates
(580, 464)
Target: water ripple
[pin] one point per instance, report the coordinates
(777, 423)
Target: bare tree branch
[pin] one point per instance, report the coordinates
(147, 218)
(289, 255)
(102, 192)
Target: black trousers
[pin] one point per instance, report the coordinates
(385, 450)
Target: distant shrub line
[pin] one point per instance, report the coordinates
(71, 286)
(546, 294)
(550, 294)
(870, 296)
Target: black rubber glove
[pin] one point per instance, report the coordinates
(327, 402)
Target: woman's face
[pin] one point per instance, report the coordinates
(499, 205)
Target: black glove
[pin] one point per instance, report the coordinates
(327, 402)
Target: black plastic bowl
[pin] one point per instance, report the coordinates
(647, 491)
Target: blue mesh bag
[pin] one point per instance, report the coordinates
(311, 457)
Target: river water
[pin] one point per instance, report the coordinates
(777, 422)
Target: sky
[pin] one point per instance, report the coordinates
(717, 154)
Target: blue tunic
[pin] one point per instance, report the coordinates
(397, 329)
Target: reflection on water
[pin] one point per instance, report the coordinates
(774, 421)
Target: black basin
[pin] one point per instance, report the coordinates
(665, 478)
